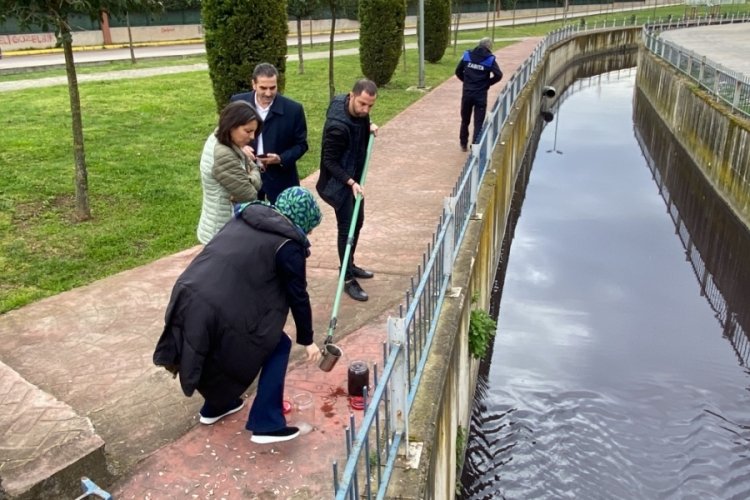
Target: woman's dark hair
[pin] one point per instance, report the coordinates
(236, 114)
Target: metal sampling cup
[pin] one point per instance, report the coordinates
(331, 355)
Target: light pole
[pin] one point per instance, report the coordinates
(420, 28)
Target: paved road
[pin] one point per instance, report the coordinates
(471, 22)
(726, 44)
(35, 60)
(17, 63)
(146, 72)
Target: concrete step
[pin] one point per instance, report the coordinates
(86, 355)
(46, 446)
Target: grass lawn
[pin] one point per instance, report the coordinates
(143, 139)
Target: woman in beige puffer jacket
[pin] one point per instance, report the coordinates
(229, 173)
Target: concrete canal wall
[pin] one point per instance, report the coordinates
(717, 141)
(441, 412)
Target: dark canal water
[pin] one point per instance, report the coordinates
(619, 369)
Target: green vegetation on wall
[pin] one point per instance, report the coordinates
(460, 449)
(481, 332)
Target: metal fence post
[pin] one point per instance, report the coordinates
(736, 98)
(715, 89)
(449, 218)
(474, 187)
(399, 410)
(489, 142)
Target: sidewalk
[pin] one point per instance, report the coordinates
(90, 349)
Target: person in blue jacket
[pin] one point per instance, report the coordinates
(478, 70)
(283, 140)
(224, 325)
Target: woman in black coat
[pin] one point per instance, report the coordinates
(225, 319)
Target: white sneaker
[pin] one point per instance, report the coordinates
(285, 434)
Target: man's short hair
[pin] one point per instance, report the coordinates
(265, 69)
(365, 85)
(486, 42)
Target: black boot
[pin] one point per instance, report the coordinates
(355, 291)
(360, 273)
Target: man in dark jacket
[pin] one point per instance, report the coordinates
(479, 70)
(346, 134)
(283, 140)
(225, 319)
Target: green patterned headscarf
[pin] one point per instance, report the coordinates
(299, 206)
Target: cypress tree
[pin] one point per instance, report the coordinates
(381, 34)
(437, 33)
(238, 35)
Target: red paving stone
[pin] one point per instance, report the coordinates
(220, 461)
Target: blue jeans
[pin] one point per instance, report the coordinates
(266, 413)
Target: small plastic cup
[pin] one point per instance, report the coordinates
(304, 411)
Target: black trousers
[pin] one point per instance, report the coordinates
(476, 102)
(343, 221)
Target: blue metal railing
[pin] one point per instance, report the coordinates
(410, 333)
(386, 418)
(724, 84)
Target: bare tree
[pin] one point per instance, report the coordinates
(331, 82)
(46, 15)
(338, 7)
(299, 9)
(457, 17)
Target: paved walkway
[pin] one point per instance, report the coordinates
(726, 44)
(146, 72)
(90, 349)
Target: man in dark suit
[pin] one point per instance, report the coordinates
(284, 137)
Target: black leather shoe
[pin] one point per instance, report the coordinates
(360, 273)
(355, 291)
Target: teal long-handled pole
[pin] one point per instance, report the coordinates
(349, 242)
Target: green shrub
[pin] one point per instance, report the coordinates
(460, 449)
(381, 36)
(481, 332)
(437, 29)
(238, 35)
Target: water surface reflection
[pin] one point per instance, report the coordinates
(610, 376)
